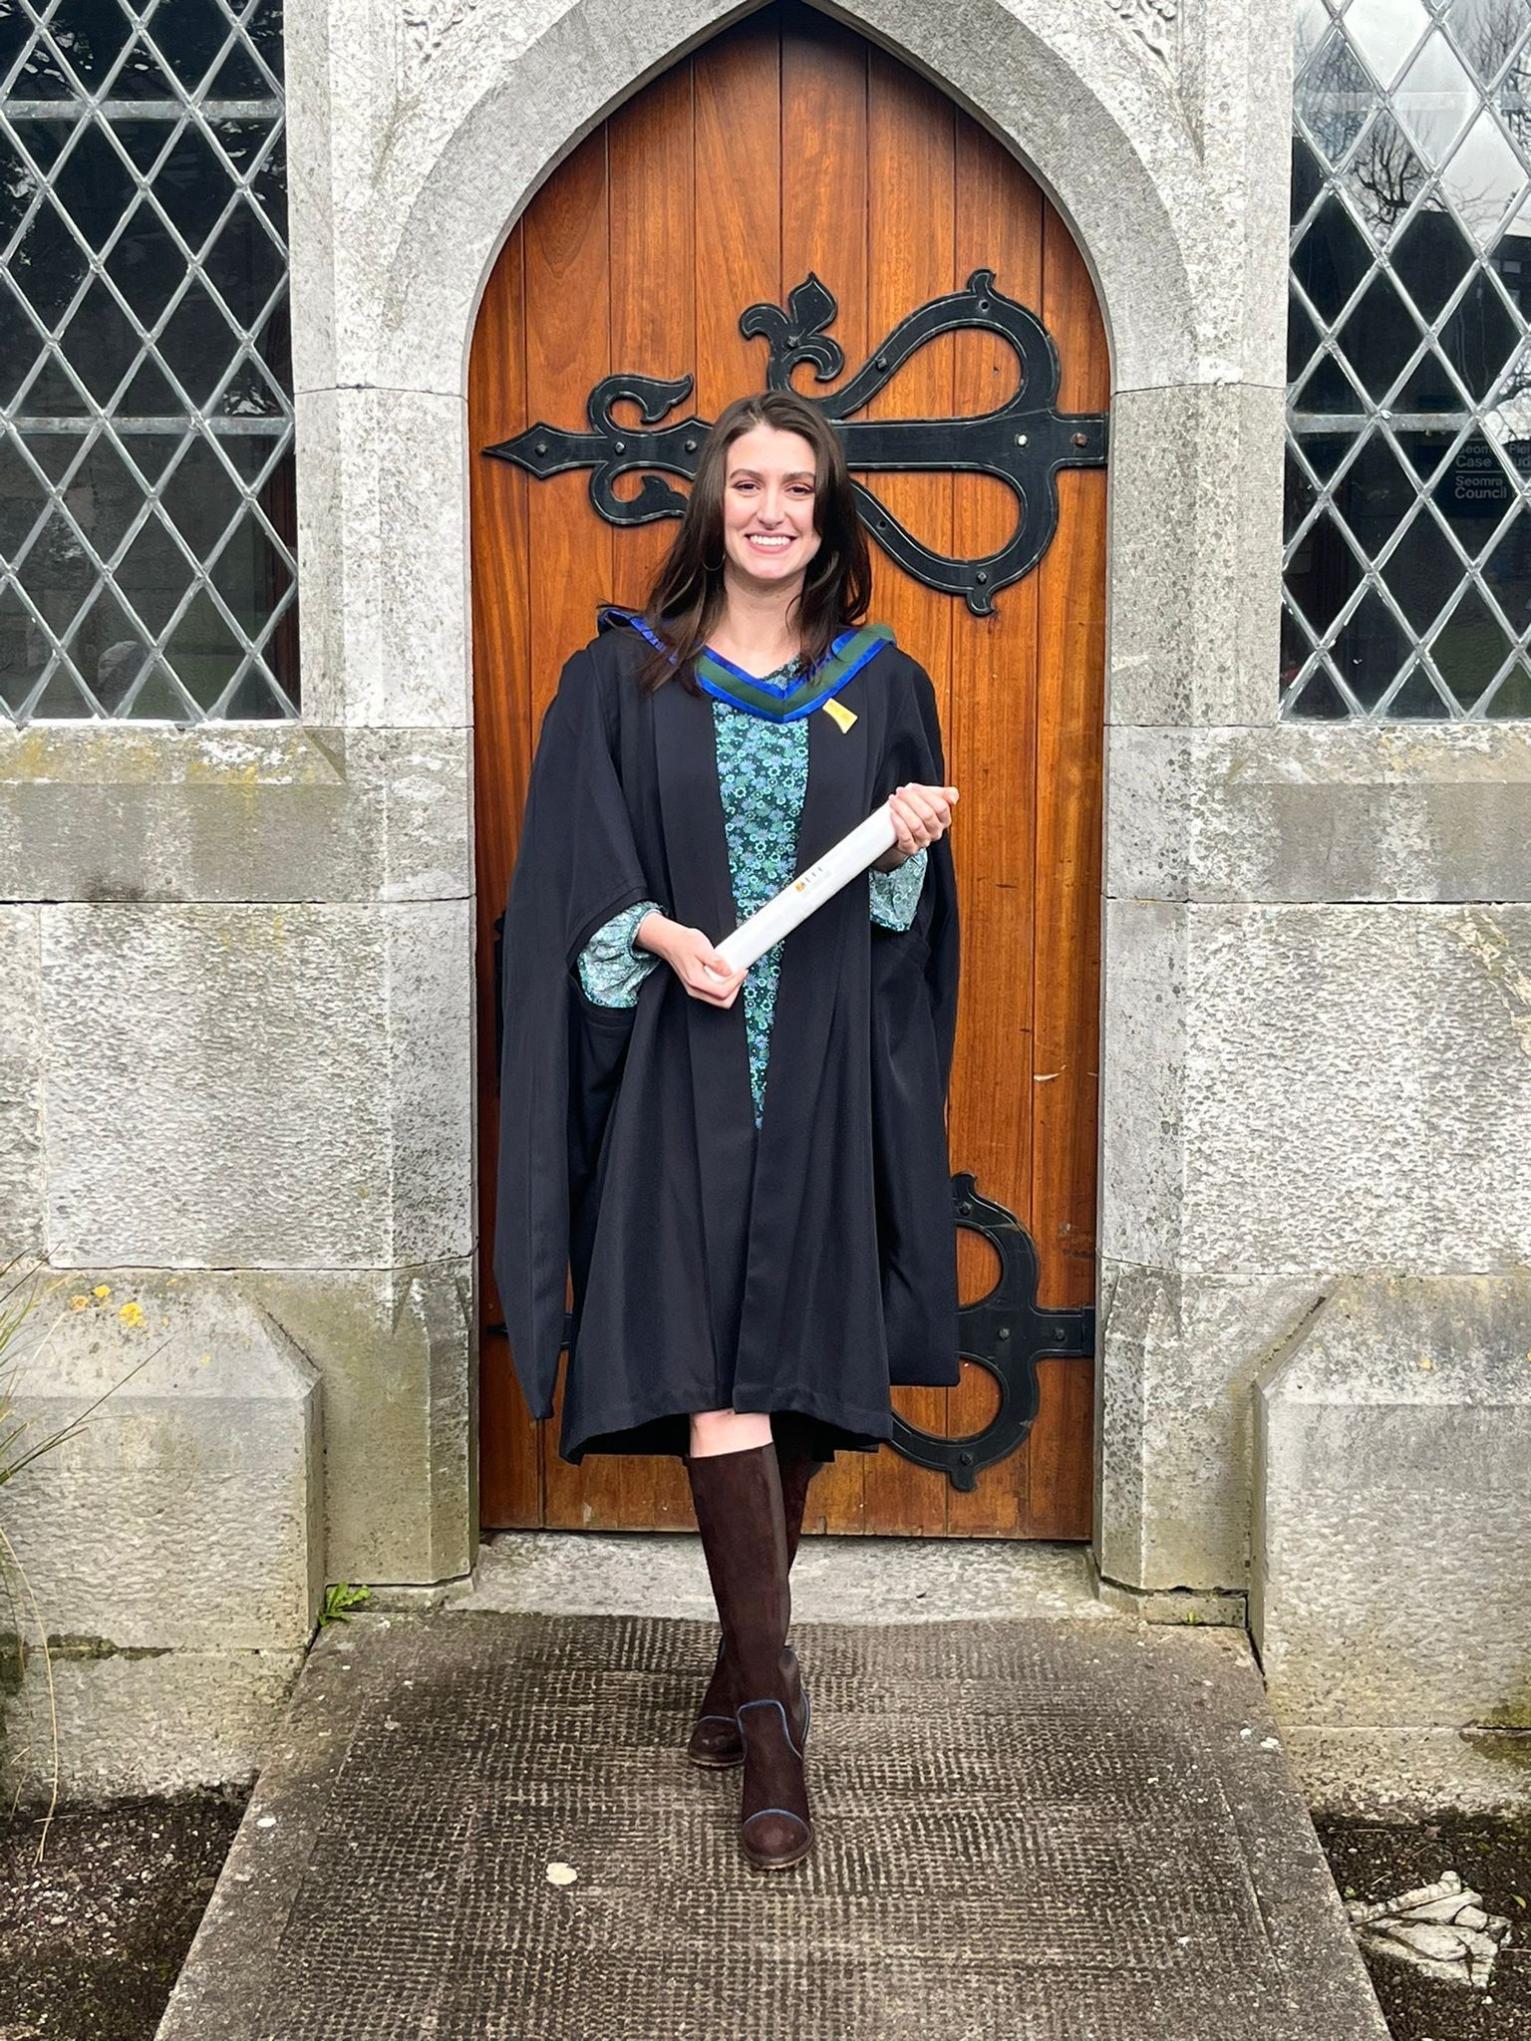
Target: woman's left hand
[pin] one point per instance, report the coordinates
(920, 815)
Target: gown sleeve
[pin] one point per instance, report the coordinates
(915, 752)
(576, 867)
(896, 894)
(611, 967)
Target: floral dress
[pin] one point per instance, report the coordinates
(763, 777)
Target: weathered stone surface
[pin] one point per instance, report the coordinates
(383, 534)
(1292, 1090)
(1195, 541)
(1357, 1088)
(134, 1722)
(1047, 1830)
(246, 1085)
(1305, 812)
(21, 1085)
(414, 170)
(186, 1510)
(1146, 1018)
(233, 811)
(172, 1543)
(1178, 1356)
(393, 1347)
(1392, 1577)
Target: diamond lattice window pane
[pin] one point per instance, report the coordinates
(1375, 495)
(1435, 100)
(1379, 337)
(1334, 96)
(1383, 176)
(1370, 648)
(1409, 560)
(1469, 647)
(1385, 34)
(1423, 572)
(1507, 572)
(150, 552)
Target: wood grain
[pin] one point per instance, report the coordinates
(788, 145)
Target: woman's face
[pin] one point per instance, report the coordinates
(768, 533)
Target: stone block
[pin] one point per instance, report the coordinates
(1357, 1088)
(1346, 812)
(185, 1510)
(394, 1348)
(1178, 1357)
(1195, 549)
(239, 1086)
(1145, 1022)
(132, 1722)
(22, 1182)
(169, 1545)
(1392, 1578)
(383, 535)
(229, 811)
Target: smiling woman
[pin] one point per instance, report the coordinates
(708, 1322)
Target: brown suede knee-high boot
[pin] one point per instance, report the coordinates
(739, 1512)
(715, 1739)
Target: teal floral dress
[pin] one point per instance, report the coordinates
(763, 777)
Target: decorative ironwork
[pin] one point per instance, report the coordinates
(1006, 1332)
(1023, 443)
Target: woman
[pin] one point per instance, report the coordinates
(751, 1193)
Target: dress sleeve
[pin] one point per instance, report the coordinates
(611, 969)
(896, 894)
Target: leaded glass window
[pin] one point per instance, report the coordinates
(146, 468)
(1408, 529)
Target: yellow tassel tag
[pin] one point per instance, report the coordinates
(842, 715)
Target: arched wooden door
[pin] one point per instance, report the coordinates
(790, 145)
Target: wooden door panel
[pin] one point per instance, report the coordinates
(790, 145)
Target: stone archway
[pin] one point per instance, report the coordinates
(1168, 163)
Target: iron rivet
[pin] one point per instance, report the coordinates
(964, 1459)
(882, 361)
(619, 446)
(690, 446)
(983, 304)
(542, 446)
(1059, 1332)
(980, 577)
(1080, 440)
(1020, 439)
(964, 1209)
(1004, 1332)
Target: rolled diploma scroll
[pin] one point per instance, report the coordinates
(810, 889)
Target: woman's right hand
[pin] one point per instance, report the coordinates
(689, 954)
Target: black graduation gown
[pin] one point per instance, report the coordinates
(802, 1270)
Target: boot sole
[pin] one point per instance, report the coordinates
(777, 1863)
(707, 1764)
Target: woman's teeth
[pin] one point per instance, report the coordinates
(775, 543)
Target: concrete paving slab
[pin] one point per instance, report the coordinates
(1055, 1829)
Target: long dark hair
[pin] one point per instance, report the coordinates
(687, 597)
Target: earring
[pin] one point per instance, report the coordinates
(714, 566)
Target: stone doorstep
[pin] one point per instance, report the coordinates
(1067, 1828)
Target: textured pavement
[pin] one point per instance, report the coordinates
(1041, 1830)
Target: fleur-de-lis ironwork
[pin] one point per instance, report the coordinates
(1023, 443)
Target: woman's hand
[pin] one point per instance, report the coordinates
(921, 815)
(689, 954)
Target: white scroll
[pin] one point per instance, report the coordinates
(810, 889)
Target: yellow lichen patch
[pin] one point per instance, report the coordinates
(79, 1301)
(102, 1290)
(131, 1313)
